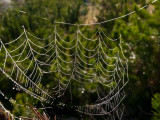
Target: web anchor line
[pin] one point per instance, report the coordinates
(99, 23)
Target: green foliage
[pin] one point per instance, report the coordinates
(156, 106)
(22, 108)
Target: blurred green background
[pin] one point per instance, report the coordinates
(140, 40)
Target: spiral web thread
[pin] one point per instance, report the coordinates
(112, 74)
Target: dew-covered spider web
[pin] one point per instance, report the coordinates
(81, 67)
(81, 64)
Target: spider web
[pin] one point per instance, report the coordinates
(74, 65)
(81, 68)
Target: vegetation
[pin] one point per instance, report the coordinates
(5, 116)
(156, 106)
